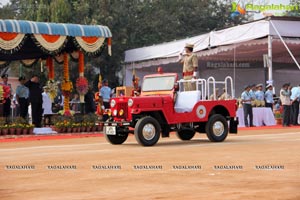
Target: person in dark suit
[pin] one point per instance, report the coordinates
(36, 100)
(285, 99)
(295, 96)
(90, 106)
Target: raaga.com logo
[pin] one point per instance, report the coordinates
(237, 9)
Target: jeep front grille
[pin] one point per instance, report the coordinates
(124, 107)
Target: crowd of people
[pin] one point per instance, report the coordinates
(288, 102)
(31, 100)
(28, 94)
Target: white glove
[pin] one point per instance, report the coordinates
(195, 75)
(180, 57)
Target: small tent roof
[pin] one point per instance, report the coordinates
(30, 27)
(27, 40)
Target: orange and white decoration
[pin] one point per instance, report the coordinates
(66, 86)
(51, 39)
(81, 82)
(11, 42)
(50, 43)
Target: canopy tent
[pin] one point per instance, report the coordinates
(29, 41)
(20, 40)
(242, 43)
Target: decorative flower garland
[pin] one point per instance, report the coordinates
(66, 88)
(53, 88)
(50, 64)
(11, 42)
(1, 93)
(90, 44)
(4, 93)
(51, 44)
(82, 85)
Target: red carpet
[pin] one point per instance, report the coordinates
(22, 138)
(266, 127)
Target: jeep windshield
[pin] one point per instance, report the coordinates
(158, 83)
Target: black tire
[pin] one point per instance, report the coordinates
(147, 131)
(116, 139)
(216, 128)
(185, 134)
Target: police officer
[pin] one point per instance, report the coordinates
(252, 93)
(22, 96)
(259, 94)
(269, 97)
(247, 107)
(190, 66)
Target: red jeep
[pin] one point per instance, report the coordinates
(163, 106)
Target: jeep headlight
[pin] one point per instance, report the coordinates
(112, 103)
(115, 112)
(130, 102)
(121, 112)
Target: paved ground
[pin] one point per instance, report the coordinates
(255, 164)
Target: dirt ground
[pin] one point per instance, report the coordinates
(255, 164)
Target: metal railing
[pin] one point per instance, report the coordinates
(205, 86)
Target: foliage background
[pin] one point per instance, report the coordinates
(134, 23)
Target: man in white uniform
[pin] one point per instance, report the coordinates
(47, 106)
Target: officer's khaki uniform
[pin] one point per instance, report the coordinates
(189, 63)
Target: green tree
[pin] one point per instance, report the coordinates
(61, 11)
(6, 12)
(43, 12)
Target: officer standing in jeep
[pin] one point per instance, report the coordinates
(190, 66)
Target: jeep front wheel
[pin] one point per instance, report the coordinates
(147, 131)
(185, 134)
(216, 128)
(116, 139)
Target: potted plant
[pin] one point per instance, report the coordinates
(278, 117)
(2, 125)
(5, 129)
(12, 128)
(59, 127)
(30, 128)
(20, 125)
(91, 119)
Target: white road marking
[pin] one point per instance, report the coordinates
(56, 146)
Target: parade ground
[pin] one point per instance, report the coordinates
(257, 163)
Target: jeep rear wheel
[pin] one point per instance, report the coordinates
(216, 128)
(185, 134)
(116, 139)
(147, 131)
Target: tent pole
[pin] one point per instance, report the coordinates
(269, 64)
(287, 48)
(234, 66)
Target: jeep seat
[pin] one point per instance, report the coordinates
(186, 100)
